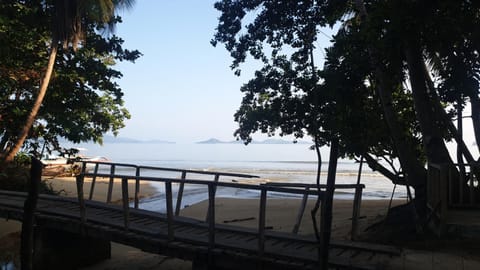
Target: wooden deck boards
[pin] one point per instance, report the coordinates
(149, 231)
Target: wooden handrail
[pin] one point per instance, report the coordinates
(218, 184)
(304, 185)
(170, 169)
(212, 185)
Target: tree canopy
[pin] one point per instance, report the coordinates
(83, 101)
(392, 74)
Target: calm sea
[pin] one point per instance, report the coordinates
(272, 162)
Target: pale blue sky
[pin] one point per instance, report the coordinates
(182, 89)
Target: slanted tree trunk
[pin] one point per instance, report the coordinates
(429, 122)
(425, 112)
(442, 116)
(376, 166)
(475, 104)
(415, 173)
(10, 154)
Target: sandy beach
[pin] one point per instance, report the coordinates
(281, 216)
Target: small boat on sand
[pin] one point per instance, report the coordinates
(67, 163)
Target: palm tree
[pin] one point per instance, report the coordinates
(69, 20)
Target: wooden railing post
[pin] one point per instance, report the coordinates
(126, 206)
(81, 200)
(261, 222)
(296, 227)
(473, 176)
(169, 206)
(27, 242)
(110, 183)
(357, 201)
(211, 216)
(214, 190)
(178, 206)
(137, 186)
(443, 194)
(94, 178)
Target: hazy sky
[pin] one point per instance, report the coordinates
(182, 89)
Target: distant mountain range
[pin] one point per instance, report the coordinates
(112, 139)
(267, 141)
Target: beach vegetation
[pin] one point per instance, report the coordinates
(16, 176)
(395, 76)
(67, 47)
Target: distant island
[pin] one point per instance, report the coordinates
(267, 141)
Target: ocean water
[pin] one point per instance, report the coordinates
(271, 162)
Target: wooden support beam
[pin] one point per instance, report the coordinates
(211, 216)
(137, 186)
(443, 196)
(178, 206)
(357, 201)
(110, 183)
(81, 200)
(169, 206)
(125, 202)
(214, 190)
(261, 222)
(29, 207)
(94, 178)
(301, 210)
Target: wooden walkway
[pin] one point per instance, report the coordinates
(170, 234)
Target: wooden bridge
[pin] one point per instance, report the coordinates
(82, 221)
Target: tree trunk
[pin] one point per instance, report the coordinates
(442, 115)
(430, 124)
(475, 104)
(9, 156)
(315, 208)
(327, 205)
(415, 173)
(426, 113)
(376, 166)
